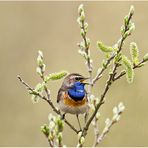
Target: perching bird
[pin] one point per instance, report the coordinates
(72, 96)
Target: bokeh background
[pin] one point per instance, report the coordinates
(26, 27)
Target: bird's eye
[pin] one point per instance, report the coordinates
(77, 78)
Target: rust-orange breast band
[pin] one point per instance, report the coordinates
(69, 102)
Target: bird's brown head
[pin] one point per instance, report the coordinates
(72, 78)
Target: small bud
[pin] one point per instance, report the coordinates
(126, 19)
(34, 98)
(39, 87)
(80, 9)
(117, 58)
(51, 136)
(83, 53)
(92, 107)
(122, 30)
(39, 61)
(60, 137)
(97, 115)
(82, 16)
(43, 67)
(107, 122)
(85, 26)
(121, 107)
(82, 140)
(132, 10)
(115, 110)
(104, 64)
(38, 70)
(99, 70)
(45, 129)
(141, 65)
(79, 135)
(132, 28)
(82, 45)
(40, 53)
(119, 42)
(116, 117)
(127, 33)
(116, 48)
(82, 32)
(50, 117)
(88, 41)
(51, 124)
(40, 58)
(59, 124)
(91, 61)
(92, 97)
(145, 58)
(79, 21)
(93, 123)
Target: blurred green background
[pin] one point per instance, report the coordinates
(26, 27)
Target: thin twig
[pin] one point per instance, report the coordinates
(107, 128)
(99, 75)
(48, 101)
(122, 73)
(87, 51)
(50, 143)
(96, 131)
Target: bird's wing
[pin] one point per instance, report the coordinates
(60, 93)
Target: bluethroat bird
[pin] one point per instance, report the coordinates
(72, 96)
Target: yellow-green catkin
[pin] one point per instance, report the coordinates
(129, 69)
(56, 76)
(104, 48)
(134, 53)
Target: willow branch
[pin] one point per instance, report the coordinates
(48, 101)
(99, 75)
(96, 131)
(122, 73)
(106, 130)
(88, 60)
(110, 79)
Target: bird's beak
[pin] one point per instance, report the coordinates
(83, 79)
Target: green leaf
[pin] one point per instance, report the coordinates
(134, 52)
(129, 69)
(56, 76)
(104, 48)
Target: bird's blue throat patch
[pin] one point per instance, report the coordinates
(77, 92)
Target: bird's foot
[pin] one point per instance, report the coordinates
(63, 116)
